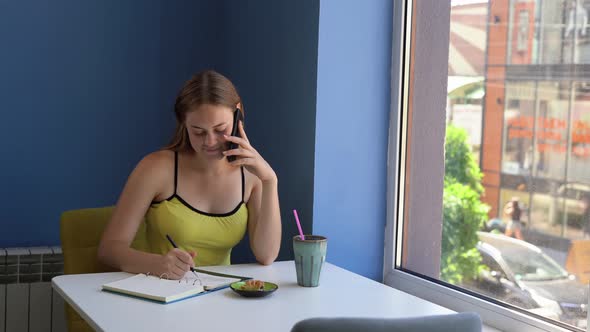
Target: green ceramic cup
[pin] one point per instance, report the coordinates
(310, 255)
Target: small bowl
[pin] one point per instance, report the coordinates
(269, 287)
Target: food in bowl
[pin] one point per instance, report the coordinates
(253, 285)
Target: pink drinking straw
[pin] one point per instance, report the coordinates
(298, 224)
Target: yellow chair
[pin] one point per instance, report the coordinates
(80, 232)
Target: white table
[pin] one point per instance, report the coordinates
(341, 293)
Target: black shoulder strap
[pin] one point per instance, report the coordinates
(243, 182)
(175, 170)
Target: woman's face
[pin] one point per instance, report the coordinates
(508, 208)
(206, 126)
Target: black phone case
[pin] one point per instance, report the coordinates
(234, 132)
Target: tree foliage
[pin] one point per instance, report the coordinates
(463, 211)
(460, 163)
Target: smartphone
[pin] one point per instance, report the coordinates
(234, 132)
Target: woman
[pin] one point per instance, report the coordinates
(191, 192)
(512, 212)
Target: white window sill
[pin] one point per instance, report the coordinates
(495, 317)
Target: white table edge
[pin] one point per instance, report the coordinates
(69, 301)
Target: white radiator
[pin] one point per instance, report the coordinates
(27, 301)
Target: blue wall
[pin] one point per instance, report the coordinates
(86, 90)
(189, 43)
(77, 79)
(352, 120)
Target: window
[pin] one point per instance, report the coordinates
(489, 181)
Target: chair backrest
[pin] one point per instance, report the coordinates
(460, 322)
(80, 232)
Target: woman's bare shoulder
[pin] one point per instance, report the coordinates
(159, 158)
(158, 164)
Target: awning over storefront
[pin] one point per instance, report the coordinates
(467, 47)
(465, 87)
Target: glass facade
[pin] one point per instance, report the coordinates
(545, 156)
(538, 72)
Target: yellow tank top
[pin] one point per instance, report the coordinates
(211, 236)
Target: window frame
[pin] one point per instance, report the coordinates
(404, 12)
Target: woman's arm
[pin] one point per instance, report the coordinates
(264, 216)
(143, 185)
(264, 221)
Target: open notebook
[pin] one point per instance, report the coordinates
(167, 291)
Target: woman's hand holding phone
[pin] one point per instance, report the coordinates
(234, 132)
(245, 155)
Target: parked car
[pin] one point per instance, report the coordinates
(568, 200)
(520, 274)
(571, 202)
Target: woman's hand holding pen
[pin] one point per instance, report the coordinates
(176, 263)
(248, 157)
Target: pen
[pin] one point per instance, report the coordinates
(175, 246)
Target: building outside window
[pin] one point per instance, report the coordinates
(540, 66)
(542, 112)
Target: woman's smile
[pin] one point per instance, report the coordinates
(212, 150)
